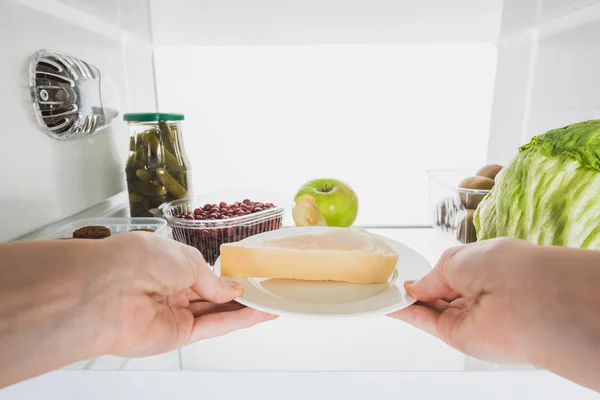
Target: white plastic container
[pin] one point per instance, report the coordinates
(116, 226)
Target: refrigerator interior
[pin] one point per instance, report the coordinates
(374, 93)
(275, 93)
(47, 180)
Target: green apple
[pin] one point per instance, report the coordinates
(327, 202)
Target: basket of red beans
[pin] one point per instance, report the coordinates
(207, 221)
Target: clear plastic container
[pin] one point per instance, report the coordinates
(453, 207)
(208, 235)
(157, 169)
(116, 226)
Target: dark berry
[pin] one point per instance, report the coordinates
(240, 213)
(234, 207)
(207, 207)
(258, 209)
(246, 201)
(222, 204)
(188, 216)
(197, 211)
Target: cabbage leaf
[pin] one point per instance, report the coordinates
(549, 194)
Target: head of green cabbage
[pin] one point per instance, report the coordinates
(549, 194)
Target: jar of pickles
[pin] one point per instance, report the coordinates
(157, 169)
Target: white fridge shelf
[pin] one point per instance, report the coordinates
(375, 344)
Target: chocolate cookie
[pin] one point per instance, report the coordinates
(91, 232)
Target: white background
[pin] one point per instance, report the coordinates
(270, 118)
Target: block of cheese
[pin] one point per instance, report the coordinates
(337, 254)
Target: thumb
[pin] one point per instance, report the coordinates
(209, 286)
(434, 285)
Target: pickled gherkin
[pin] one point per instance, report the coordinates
(144, 175)
(151, 141)
(174, 188)
(148, 189)
(157, 169)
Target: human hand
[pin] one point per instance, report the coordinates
(473, 299)
(510, 301)
(162, 296)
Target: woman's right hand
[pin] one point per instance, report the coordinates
(509, 301)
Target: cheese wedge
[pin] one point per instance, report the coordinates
(338, 254)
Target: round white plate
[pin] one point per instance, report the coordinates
(331, 299)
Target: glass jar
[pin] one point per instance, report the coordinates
(157, 169)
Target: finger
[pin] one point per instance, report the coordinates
(199, 309)
(454, 295)
(434, 285)
(210, 287)
(192, 296)
(206, 284)
(462, 303)
(436, 305)
(218, 324)
(421, 317)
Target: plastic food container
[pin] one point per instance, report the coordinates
(453, 207)
(116, 226)
(208, 235)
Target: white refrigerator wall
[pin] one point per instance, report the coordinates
(374, 93)
(317, 22)
(45, 180)
(357, 91)
(548, 58)
(378, 117)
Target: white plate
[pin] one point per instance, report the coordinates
(331, 299)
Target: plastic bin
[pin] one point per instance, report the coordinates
(452, 207)
(116, 226)
(208, 235)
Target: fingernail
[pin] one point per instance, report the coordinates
(237, 286)
(409, 283)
